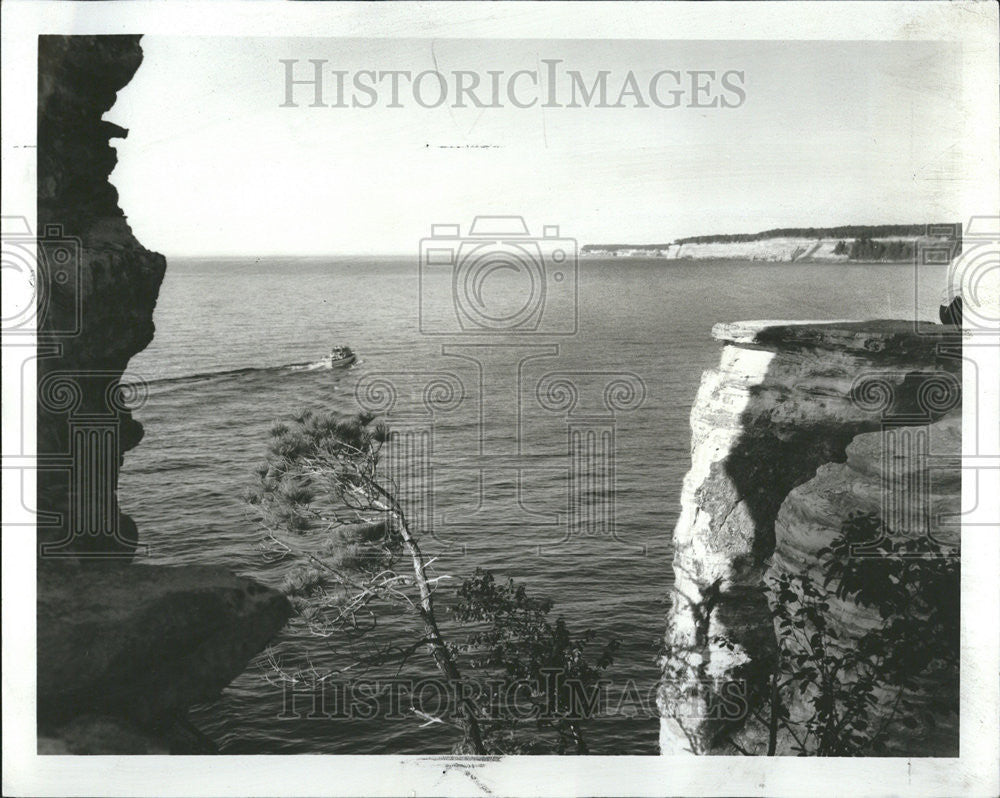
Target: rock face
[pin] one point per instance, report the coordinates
(911, 467)
(787, 398)
(123, 649)
(97, 290)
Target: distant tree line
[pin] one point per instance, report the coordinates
(867, 249)
(859, 232)
(844, 231)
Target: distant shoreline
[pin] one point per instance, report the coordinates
(847, 244)
(589, 256)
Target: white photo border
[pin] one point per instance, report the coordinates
(975, 772)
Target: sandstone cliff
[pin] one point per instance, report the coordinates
(770, 249)
(785, 403)
(123, 649)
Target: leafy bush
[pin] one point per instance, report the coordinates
(521, 645)
(855, 688)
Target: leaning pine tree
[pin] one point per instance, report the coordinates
(326, 506)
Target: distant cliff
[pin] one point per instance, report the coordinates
(123, 649)
(862, 243)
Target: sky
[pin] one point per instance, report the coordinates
(826, 133)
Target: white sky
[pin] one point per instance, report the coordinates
(830, 133)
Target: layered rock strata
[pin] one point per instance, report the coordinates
(942, 239)
(786, 398)
(908, 476)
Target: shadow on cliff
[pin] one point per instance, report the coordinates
(811, 402)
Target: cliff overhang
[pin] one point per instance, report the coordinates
(786, 399)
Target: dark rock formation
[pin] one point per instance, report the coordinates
(101, 734)
(136, 645)
(786, 398)
(97, 290)
(123, 649)
(916, 466)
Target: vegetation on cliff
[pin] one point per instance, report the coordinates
(868, 249)
(784, 449)
(843, 231)
(838, 694)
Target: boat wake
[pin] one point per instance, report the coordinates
(320, 365)
(129, 380)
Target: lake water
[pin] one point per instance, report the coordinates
(503, 487)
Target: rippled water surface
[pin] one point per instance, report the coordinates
(221, 371)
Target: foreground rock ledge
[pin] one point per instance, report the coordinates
(125, 650)
(786, 398)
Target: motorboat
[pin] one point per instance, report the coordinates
(340, 356)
